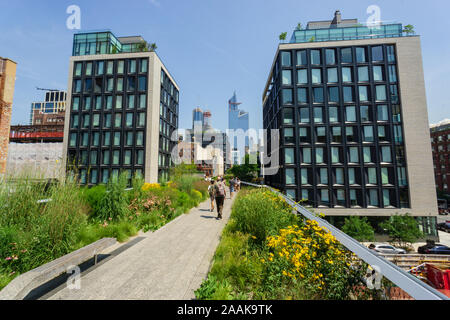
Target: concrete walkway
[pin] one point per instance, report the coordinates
(169, 264)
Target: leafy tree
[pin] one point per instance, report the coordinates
(312, 39)
(409, 29)
(144, 46)
(246, 171)
(299, 26)
(283, 36)
(153, 47)
(183, 169)
(402, 229)
(358, 228)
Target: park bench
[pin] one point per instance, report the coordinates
(21, 286)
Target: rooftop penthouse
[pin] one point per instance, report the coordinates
(93, 43)
(344, 29)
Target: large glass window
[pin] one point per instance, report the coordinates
(288, 117)
(286, 60)
(318, 95)
(290, 176)
(377, 53)
(348, 94)
(378, 74)
(140, 138)
(353, 155)
(304, 115)
(76, 104)
(337, 135)
(132, 66)
(368, 134)
(110, 67)
(335, 158)
(333, 114)
(365, 114)
(347, 74)
(120, 66)
(302, 95)
(324, 197)
(381, 92)
(287, 77)
(306, 155)
(367, 153)
(110, 84)
(287, 96)
(301, 58)
(382, 113)
(346, 55)
(316, 76)
(318, 114)
(321, 136)
(386, 155)
(361, 56)
(384, 175)
(373, 197)
(363, 93)
(144, 65)
(350, 114)
(129, 120)
(304, 176)
(305, 136)
(330, 56)
(78, 69)
(88, 69)
(339, 175)
(351, 176)
(302, 76)
(363, 74)
(117, 138)
(289, 157)
(73, 140)
(372, 175)
(319, 156)
(392, 73)
(315, 57)
(323, 175)
(333, 94)
(332, 75)
(289, 135)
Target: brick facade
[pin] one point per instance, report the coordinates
(440, 141)
(7, 81)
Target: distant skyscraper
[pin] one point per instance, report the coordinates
(207, 124)
(237, 119)
(197, 116)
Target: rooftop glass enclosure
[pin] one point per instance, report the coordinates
(101, 43)
(356, 32)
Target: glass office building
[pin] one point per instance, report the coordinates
(238, 120)
(123, 110)
(350, 106)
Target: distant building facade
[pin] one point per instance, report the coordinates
(238, 120)
(440, 145)
(51, 111)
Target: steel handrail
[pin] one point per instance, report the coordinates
(407, 282)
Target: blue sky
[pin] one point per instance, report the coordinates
(211, 47)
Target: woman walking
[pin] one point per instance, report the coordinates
(211, 191)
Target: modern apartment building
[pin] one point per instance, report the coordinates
(51, 111)
(123, 109)
(349, 101)
(440, 144)
(7, 82)
(238, 120)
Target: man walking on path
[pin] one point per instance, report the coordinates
(232, 187)
(220, 194)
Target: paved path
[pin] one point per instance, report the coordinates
(169, 264)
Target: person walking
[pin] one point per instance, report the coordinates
(211, 191)
(232, 187)
(238, 184)
(220, 193)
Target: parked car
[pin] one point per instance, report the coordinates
(444, 226)
(386, 248)
(434, 249)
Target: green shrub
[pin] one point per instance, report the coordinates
(358, 228)
(402, 229)
(261, 214)
(114, 204)
(93, 197)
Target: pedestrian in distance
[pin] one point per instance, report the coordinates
(220, 193)
(232, 187)
(211, 191)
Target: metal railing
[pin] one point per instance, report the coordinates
(407, 282)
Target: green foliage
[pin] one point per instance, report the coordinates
(259, 213)
(94, 196)
(409, 29)
(358, 228)
(114, 204)
(299, 27)
(402, 229)
(283, 36)
(246, 171)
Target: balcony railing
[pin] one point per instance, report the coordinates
(407, 282)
